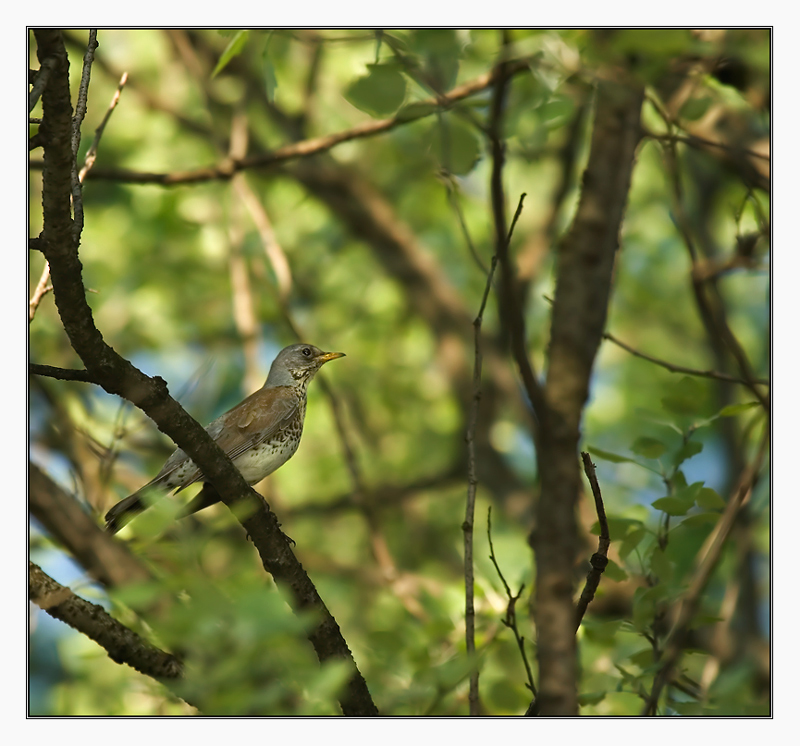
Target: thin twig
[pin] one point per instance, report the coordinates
(472, 477)
(83, 91)
(599, 559)
(510, 620)
(62, 374)
(679, 368)
(40, 82)
(695, 141)
(452, 195)
(714, 318)
(43, 287)
(77, 121)
(91, 154)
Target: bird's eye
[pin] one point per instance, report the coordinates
(307, 351)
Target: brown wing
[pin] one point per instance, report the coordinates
(256, 420)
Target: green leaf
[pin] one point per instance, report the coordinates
(614, 572)
(694, 108)
(609, 456)
(686, 397)
(643, 658)
(603, 631)
(686, 451)
(648, 447)
(378, 93)
(733, 409)
(235, 46)
(555, 113)
(689, 493)
(439, 51)
(268, 71)
(671, 505)
(591, 698)
(678, 480)
(416, 110)
(661, 566)
(644, 604)
(700, 519)
(631, 541)
(456, 145)
(665, 42)
(709, 499)
(619, 527)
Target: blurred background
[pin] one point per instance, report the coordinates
(378, 247)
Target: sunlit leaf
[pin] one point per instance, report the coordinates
(235, 46)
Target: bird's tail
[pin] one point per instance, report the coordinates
(124, 511)
(128, 508)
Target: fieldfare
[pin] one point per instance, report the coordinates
(259, 435)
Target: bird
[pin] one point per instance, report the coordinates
(259, 435)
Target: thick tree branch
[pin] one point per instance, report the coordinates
(108, 561)
(122, 644)
(118, 376)
(585, 265)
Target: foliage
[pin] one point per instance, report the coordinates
(185, 280)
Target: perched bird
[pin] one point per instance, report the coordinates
(259, 435)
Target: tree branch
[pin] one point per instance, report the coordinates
(679, 368)
(599, 559)
(315, 145)
(117, 376)
(108, 561)
(62, 374)
(510, 310)
(585, 265)
(122, 644)
(707, 559)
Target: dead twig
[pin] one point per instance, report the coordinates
(91, 154)
(599, 559)
(43, 287)
(510, 619)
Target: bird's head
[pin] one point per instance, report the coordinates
(298, 363)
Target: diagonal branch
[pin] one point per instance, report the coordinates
(707, 559)
(108, 561)
(315, 145)
(122, 644)
(681, 369)
(118, 376)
